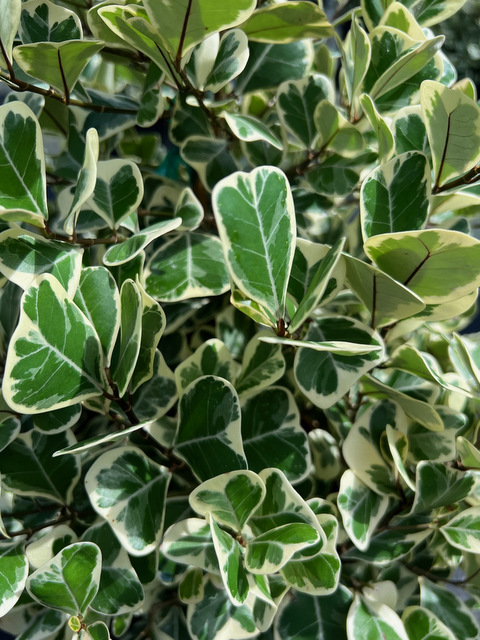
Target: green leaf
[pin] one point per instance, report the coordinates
(335, 176)
(386, 299)
(156, 396)
(59, 64)
(230, 560)
(395, 59)
(69, 582)
(180, 27)
(306, 264)
(120, 590)
(43, 21)
(127, 347)
(190, 542)
(58, 421)
(463, 530)
(362, 452)
(395, 196)
(232, 56)
(422, 624)
(9, 430)
(46, 622)
(469, 454)
(438, 485)
(386, 143)
(209, 437)
(452, 120)
(98, 298)
(449, 608)
(86, 180)
(128, 250)
(284, 23)
(28, 468)
(271, 64)
(335, 132)
(13, 573)
(211, 358)
(250, 129)
(230, 498)
(272, 435)
(415, 409)
(409, 130)
(320, 617)
(152, 104)
(356, 53)
(23, 183)
(210, 157)
(189, 209)
(259, 253)
(361, 509)
(216, 614)
(153, 326)
(296, 102)
(98, 631)
(373, 621)
(317, 285)
(65, 355)
(438, 265)
(199, 268)
(94, 441)
(324, 377)
(129, 491)
(10, 11)
(118, 191)
(316, 573)
(24, 256)
(270, 551)
(190, 588)
(433, 11)
(262, 365)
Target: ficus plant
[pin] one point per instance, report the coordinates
(238, 259)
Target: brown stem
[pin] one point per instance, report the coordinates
(7, 61)
(470, 177)
(64, 79)
(21, 86)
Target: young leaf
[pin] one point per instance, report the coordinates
(395, 196)
(230, 498)
(250, 129)
(70, 581)
(232, 56)
(127, 347)
(23, 183)
(64, 355)
(129, 490)
(262, 365)
(13, 574)
(155, 396)
(230, 560)
(98, 298)
(386, 143)
(259, 253)
(130, 249)
(355, 52)
(208, 436)
(452, 120)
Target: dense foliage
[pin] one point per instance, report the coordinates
(237, 252)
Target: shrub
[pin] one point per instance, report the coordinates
(237, 253)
